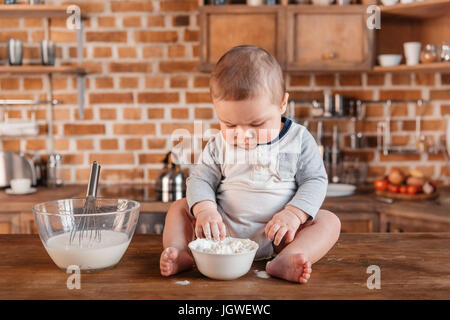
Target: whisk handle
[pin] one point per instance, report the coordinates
(93, 180)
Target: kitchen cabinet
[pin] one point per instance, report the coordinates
(320, 39)
(9, 223)
(224, 27)
(363, 222)
(301, 37)
(395, 223)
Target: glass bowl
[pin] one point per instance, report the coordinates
(91, 242)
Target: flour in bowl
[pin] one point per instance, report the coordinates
(226, 246)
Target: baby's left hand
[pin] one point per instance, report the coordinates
(285, 224)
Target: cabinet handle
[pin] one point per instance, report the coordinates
(329, 56)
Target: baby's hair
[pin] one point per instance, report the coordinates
(245, 72)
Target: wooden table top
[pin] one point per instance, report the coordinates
(413, 266)
(361, 202)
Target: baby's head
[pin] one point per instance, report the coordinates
(248, 92)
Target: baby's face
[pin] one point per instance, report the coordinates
(250, 122)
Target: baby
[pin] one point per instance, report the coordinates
(261, 177)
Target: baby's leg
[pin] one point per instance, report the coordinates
(311, 243)
(178, 232)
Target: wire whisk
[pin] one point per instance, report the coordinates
(86, 227)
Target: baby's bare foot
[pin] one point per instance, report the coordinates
(291, 267)
(173, 261)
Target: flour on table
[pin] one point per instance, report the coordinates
(183, 283)
(262, 274)
(226, 246)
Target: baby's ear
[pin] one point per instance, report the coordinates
(284, 103)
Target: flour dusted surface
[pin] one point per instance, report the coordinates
(227, 246)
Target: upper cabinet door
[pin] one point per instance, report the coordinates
(224, 27)
(321, 39)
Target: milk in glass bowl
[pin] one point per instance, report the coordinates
(91, 242)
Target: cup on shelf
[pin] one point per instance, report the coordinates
(21, 185)
(412, 52)
(389, 60)
(48, 52)
(389, 2)
(407, 1)
(33, 2)
(15, 52)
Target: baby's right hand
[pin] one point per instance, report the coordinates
(208, 221)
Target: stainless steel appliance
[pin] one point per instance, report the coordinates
(15, 165)
(171, 184)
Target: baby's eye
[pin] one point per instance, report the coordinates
(257, 124)
(230, 125)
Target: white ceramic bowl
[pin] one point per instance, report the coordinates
(389, 2)
(223, 266)
(20, 185)
(389, 60)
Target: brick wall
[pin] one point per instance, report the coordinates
(145, 84)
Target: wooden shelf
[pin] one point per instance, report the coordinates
(39, 69)
(425, 67)
(33, 11)
(419, 10)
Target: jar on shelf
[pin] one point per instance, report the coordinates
(428, 54)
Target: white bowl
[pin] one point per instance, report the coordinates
(389, 60)
(223, 266)
(389, 2)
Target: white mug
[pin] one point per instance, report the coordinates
(20, 185)
(412, 52)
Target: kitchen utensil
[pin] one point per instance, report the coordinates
(15, 165)
(444, 51)
(328, 105)
(12, 192)
(429, 54)
(447, 137)
(48, 52)
(20, 185)
(223, 266)
(389, 60)
(15, 52)
(340, 190)
(319, 138)
(87, 226)
(339, 105)
(335, 156)
(116, 219)
(412, 52)
(54, 171)
(389, 2)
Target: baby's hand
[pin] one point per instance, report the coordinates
(208, 221)
(285, 224)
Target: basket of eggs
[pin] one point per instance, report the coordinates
(411, 186)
